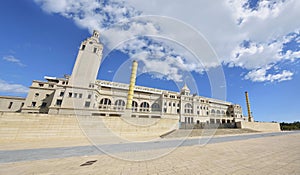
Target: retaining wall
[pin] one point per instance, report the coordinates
(259, 126)
(20, 126)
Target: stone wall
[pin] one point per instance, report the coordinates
(259, 126)
(11, 104)
(20, 126)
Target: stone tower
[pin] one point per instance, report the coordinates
(87, 63)
(185, 90)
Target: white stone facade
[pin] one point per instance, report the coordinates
(11, 104)
(82, 94)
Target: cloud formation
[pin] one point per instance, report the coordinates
(14, 60)
(12, 88)
(261, 75)
(253, 35)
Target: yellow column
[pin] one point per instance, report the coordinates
(131, 85)
(248, 107)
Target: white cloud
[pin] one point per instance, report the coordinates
(12, 88)
(267, 27)
(261, 75)
(14, 60)
(225, 24)
(265, 9)
(91, 14)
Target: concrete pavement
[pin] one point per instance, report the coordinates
(271, 154)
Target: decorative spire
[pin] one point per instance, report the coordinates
(185, 88)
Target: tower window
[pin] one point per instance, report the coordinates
(83, 47)
(10, 105)
(36, 94)
(95, 49)
(62, 94)
(58, 102)
(33, 104)
(70, 94)
(44, 104)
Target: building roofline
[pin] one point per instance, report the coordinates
(13, 97)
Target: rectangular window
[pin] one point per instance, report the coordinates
(95, 49)
(89, 96)
(58, 102)
(44, 104)
(75, 95)
(83, 47)
(10, 105)
(80, 95)
(33, 104)
(62, 94)
(87, 104)
(70, 94)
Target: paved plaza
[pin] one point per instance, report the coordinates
(272, 153)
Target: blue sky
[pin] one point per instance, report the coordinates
(255, 43)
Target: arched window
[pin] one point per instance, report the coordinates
(188, 108)
(227, 114)
(119, 105)
(134, 106)
(223, 112)
(105, 103)
(144, 107)
(155, 107)
(213, 112)
(218, 112)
